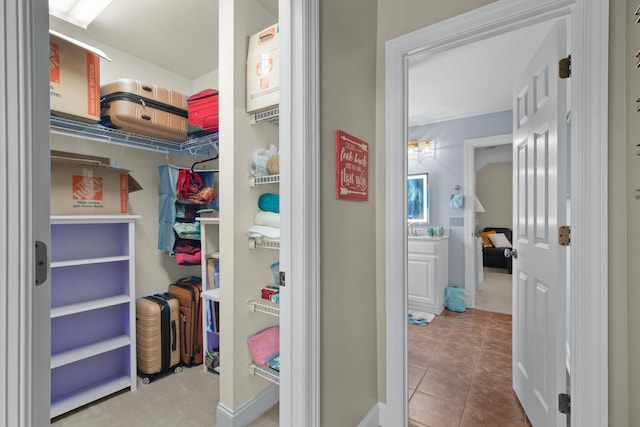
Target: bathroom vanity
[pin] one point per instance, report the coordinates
(428, 272)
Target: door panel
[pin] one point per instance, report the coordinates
(539, 269)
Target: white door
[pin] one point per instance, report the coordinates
(539, 171)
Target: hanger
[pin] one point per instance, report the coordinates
(203, 161)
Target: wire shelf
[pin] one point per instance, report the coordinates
(260, 307)
(264, 244)
(264, 372)
(204, 145)
(270, 116)
(269, 179)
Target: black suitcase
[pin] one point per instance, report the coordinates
(157, 335)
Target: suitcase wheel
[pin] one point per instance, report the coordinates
(146, 380)
(177, 369)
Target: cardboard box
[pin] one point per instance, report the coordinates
(88, 185)
(263, 70)
(74, 78)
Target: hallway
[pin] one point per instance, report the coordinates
(460, 372)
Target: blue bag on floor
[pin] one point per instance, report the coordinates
(455, 299)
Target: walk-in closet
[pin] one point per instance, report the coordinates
(104, 261)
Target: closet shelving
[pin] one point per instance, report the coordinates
(209, 235)
(204, 145)
(268, 179)
(264, 244)
(261, 180)
(263, 307)
(271, 115)
(264, 372)
(271, 309)
(93, 351)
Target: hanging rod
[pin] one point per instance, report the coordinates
(204, 161)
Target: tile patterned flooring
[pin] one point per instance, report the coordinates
(460, 372)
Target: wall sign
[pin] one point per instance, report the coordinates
(352, 167)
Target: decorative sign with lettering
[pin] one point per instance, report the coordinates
(352, 167)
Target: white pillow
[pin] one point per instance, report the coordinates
(499, 240)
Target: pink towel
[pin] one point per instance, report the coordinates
(264, 344)
(188, 259)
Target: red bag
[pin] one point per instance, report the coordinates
(189, 188)
(189, 183)
(203, 113)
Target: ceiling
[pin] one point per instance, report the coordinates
(179, 36)
(473, 79)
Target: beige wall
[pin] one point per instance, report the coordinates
(624, 377)
(348, 281)
(396, 18)
(494, 190)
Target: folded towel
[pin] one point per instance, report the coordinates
(269, 202)
(263, 232)
(270, 219)
(187, 230)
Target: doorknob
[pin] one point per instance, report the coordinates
(510, 253)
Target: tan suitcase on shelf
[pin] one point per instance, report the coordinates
(144, 109)
(157, 335)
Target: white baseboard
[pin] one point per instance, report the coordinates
(373, 417)
(250, 410)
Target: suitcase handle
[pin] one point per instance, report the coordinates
(145, 117)
(147, 88)
(175, 335)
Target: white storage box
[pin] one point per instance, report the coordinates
(263, 70)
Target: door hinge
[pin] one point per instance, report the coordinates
(564, 403)
(564, 67)
(564, 235)
(41, 263)
(281, 277)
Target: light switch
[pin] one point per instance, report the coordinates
(456, 221)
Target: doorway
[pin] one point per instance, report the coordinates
(591, 334)
(473, 254)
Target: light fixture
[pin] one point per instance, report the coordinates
(477, 206)
(77, 12)
(417, 150)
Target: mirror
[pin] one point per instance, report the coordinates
(418, 198)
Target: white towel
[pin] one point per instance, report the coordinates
(269, 219)
(263, 232)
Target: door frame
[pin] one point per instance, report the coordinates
(25, 344)
(588, 263)
(300, 193)
(470, 247)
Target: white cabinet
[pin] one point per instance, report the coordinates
(209, 247)
(428, 273)
(93, 351)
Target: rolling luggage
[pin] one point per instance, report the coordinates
(157, 335)
(144, 109)
(187, 291)
(203, 113)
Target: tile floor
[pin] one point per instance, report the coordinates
(460, 372)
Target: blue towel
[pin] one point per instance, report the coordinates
(269, 202)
